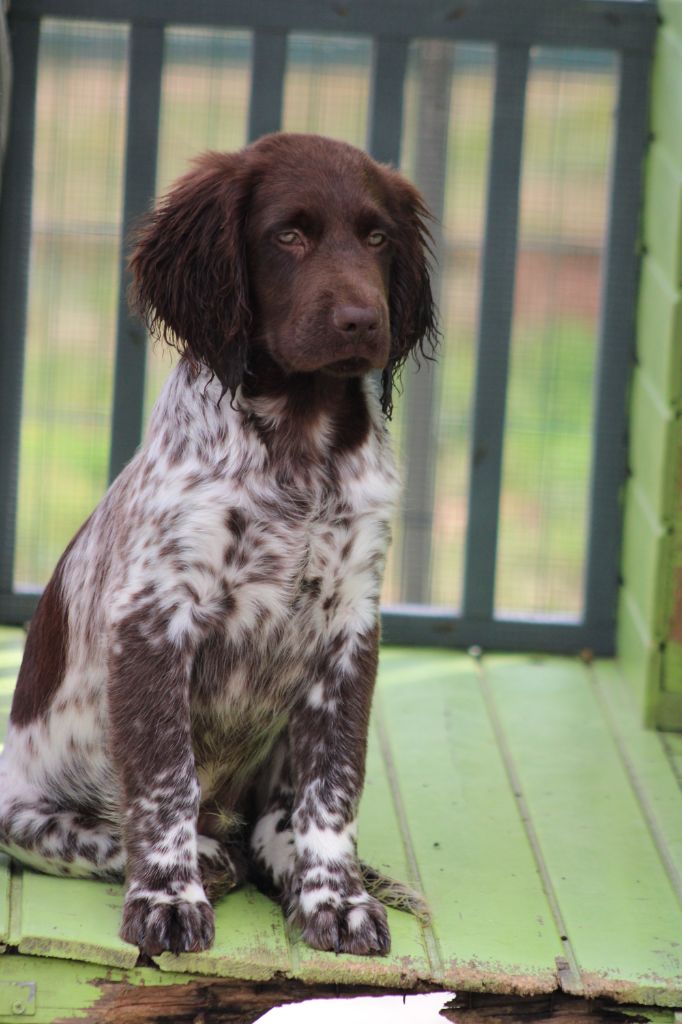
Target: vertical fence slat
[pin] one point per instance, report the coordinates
(616, 343)
(267, 83)
(144, 102)
(15, 230)
(387, 83)
(495, 318)
(421, 452)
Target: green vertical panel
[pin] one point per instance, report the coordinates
(653, 455)
(666, 109)
(492, 922)
(656, 436)
(671, 12)
(621, 912)
(659, 331)
(646, 553)
(639, 655)
(663, 210)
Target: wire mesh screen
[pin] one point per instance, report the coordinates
(327, 86)
(77, 198)
(548, 437)
(448, 106)
(447, 147)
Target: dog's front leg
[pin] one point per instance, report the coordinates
(165, 905)
(329, 738)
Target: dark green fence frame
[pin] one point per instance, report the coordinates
(624, 27)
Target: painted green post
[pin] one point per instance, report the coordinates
(650, 612)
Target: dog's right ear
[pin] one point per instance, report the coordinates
(189, 280)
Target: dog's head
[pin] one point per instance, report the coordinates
(298, 244)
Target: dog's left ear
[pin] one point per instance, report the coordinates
(188, 267)
(411, 306)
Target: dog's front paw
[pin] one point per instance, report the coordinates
(157, 923)
(357, 925)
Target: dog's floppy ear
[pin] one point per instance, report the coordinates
(188, 265)
(411, 306)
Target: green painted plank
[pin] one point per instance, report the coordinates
(663, 211)
(646, 764)
(659, 330)
(646, 553)
(494, 928)
(71, 990)
(381, 844)
(623, 919)
(653, 448)
(666, 89)
(71, 918)
(639, 655)
(250, 941)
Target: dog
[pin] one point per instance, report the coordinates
(192, 706)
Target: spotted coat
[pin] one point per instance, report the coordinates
(193, 702)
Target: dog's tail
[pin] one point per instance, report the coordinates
(395, 894)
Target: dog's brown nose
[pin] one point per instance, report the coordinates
(358, 320)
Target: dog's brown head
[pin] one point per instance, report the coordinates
(299, 245)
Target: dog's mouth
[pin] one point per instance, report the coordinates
(354, 366)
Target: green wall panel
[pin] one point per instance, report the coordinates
(666, 110)
(659, 331)
(652, 450)
(663, 210)
(650, 608)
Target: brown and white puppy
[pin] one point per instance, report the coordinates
(194, 696)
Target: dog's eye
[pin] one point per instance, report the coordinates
(376, 238)
(289, 238)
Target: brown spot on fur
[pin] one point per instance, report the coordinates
(44, 661)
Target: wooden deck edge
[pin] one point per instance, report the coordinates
(64, 992)
(555, 1008)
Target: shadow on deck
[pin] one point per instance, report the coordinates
(543, 824)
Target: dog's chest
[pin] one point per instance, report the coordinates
(313, 574)
(302, 566)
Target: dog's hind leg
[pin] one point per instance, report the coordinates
(222, 866)
(37, 832)
(272, 848)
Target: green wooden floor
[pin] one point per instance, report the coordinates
(543, 825)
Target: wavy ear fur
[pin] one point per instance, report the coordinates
(189, 281)
(411, 306)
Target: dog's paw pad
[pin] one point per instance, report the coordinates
(178, 926)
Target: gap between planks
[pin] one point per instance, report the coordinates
(656, 830)
(568, 974)
(430, 941)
